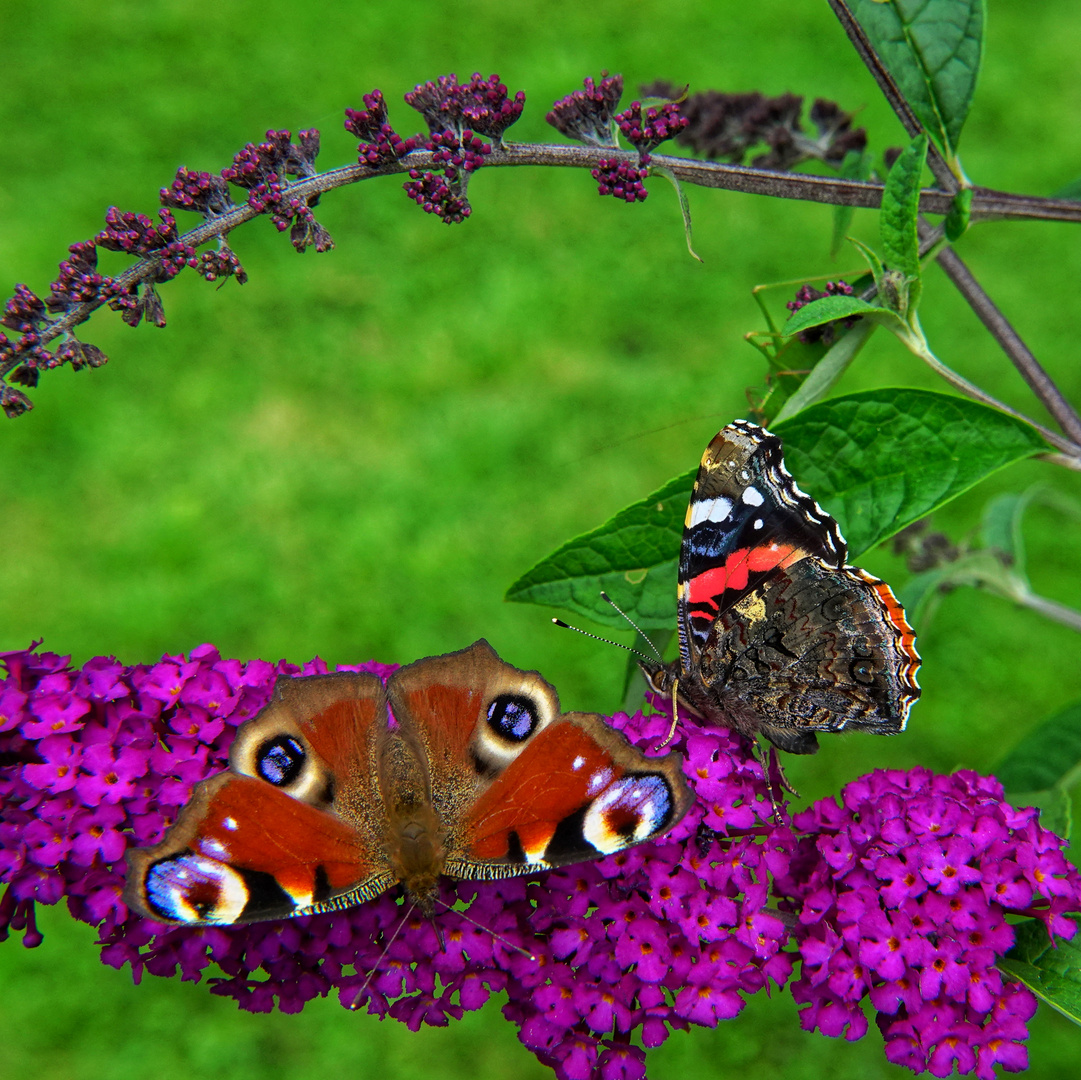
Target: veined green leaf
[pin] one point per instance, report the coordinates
(825, 310)
(1048, 755)
(932, 48)
(900, 210)
(1051, 970)
(877, 461)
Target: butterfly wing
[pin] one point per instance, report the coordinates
(517, 785)
(746, 520)
(813, 649)
(578, 791)
(291, 829)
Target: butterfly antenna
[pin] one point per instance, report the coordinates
(488, 930)
(608, 641)
(597, 637)
(641, 633)
(386, 948)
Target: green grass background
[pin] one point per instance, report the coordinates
(356, 453)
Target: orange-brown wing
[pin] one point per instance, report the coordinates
(579, 791)
(292, 829)
(518, 785)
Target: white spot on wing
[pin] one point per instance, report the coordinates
(758, 523)
(215, 849)
(753, 497)
(229, 823)
(599, 781)
(578, 762)
(709, 510)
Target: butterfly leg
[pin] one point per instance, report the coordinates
(776, 781)
(675, 715)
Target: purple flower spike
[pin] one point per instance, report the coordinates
(898, 893)
(587, 956)
(588, 115)
(904, 890)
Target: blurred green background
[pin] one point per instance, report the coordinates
(356, 453)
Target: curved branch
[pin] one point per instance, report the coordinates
(986, 204)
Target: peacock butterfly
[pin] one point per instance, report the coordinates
(778, 635)
(326, 805)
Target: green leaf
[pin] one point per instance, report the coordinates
(1047, 756)
(684, 205)
(828, 370)
(876, 460)
(873, 261)
(932, 48)
(632, 557)
(881, 459)
(956, 223)
(825, 310)
(856, 166)
(900, 209)
(1051, 971)
(1071, 191)
(1054, 804)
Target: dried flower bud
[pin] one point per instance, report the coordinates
(221, 263)
(24, 312)
(379, 143)
(588, 115)
(14, 402)
(80, 354)
(200, 192)
(726, 126)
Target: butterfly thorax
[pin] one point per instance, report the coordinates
(414, 834)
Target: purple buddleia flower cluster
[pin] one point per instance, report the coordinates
(589, 115)
(200, 192)
(828, 332)
(221, 263)
(263, 168)
(657, 937)
(456, 113)
(903, 891)
(898, 894)
(622, 179)
(135, 234)
(25, 313)
(379, 143)
(484, 106)
(646, 131)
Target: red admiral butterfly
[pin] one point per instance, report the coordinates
(325, 805)
(778, 636)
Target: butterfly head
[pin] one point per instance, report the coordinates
(660, 677)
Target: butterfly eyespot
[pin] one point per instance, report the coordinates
(834, 608)
(280, 760)
(862, 671)
(189, 888)
(513, 717)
